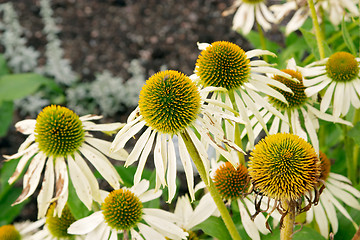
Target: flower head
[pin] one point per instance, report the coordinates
(224, 64)
(58, 226)
(59, 141)
(9, 232)
(122, 210)
(20, 230)
(339, 75)
(171, 104)
(284, 167)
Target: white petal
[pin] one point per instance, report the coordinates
(159, 213)
(249, 18)
(87, 224)
(186, 162)
(150, 195)
(80, 182)
(203, 210)
(344, 196)
(339, 99)
(127, 132)
(94, 185)
(47, 189)
(258, 53)
(330, 212)
(107, 127)
(260, 18)
(104, 147)
(344, 186)
(143, 158)
(202, 46)
(165, 226)
(159, 160)
(135, 235)
(26, 126)
(28, 141)
(26, 155)
(310, 91)
(325, 102)
(62, 184)
(32, 177)
(260, 220)
(102, 164)
(138, 148)
(340, 177)
(140, 187)
(149, 233)
(311, 129)
(248, 224)
(321, 220)
(325, 116)
(171, 171)
(90, 117)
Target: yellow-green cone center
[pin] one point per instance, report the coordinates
(223, 64)
(58, 226)
(169, 102)
(325, 166)
(9, 232)
(122, 209)
(231, 182)
(295, 99)
(342, 67)
(58, 131)
(284, 166)
(253, 1)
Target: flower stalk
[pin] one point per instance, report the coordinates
(194, 154)
(318, 33)
(289, 220)
(262, 39)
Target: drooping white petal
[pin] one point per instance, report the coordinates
(149, 233)
(158, 160)
(144, 155)
(321, 220)
(80, 182)
(339, 99)
(344, 196)
(202, 46)
(203, 210)
(330, 212)
(186, 162)
(90, 117)
(311, 129)
(104, 147)
(138, 148)
(171, 171)
(260, 220)
(258, 53)
(166, 215)
(127, 132)
(325, 102)
(310, 91)
(150, 195)
(26, 126)
(102, 164)
(246, 221)
(326, 117)
(165, 226)
(107, 127)
(26, 155)
(94, 185)
(87, 224)
(28, 141)
(47, 188)
(339, 177)
(260, 17)
(140, 187)
(32, 177)
(61, 184)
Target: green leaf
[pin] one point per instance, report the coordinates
(310, 39)
(347, 39)
(6, 116)
(254, 38)
(16, 86)
(8, 212)
(3, 66)
(305, 233)
(214, 227)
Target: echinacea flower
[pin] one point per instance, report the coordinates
(233, 184)
(339, 76)
(338, 190)
(122, 211)
(284, 167)
(171, 104)
(248, 13)
(226, 65)
(55, 227)
(300, 109)
(334, 9)
(20, 230)
(60, 140)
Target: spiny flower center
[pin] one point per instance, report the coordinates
(325, 166)
(9, 232)
(58, 226)
(223, 64)
(342, 67)
(295, 99)
(169, 101)
(122, 209)
(253, 1)
(231, 182)
(59, 131)
(284, 166)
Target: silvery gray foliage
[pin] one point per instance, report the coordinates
(32, 105)
(20, 58)
(56, 65)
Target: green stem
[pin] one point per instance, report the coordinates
(349, 148)
(289, 118)
(318, 34)
(262, 39)
(237, 127)
(194, 154)
(287, 230)
(356, 119)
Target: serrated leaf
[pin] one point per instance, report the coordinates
(16, 86)
(6, 116)
(214, 227)
(347, 39)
